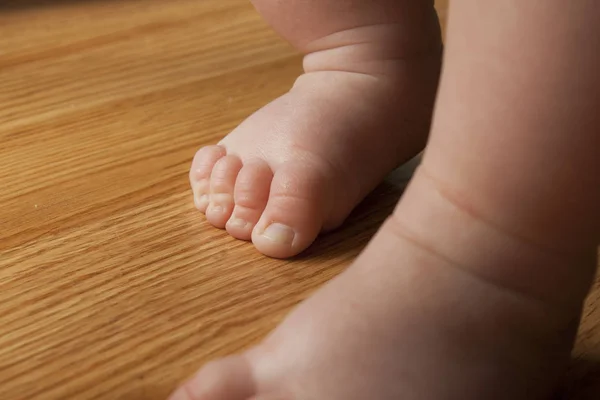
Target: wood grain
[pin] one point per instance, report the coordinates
(111, 284)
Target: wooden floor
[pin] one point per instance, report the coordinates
(111, 285)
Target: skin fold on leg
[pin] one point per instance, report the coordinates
(473, 287)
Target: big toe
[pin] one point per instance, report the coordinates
(226, 379)
(294, 214)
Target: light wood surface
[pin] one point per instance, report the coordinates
(111, 285)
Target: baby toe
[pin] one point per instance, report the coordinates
(200, 172)
(226, 379)
(251, 194)
(222, 183)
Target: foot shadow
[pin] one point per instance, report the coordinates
(15, 5)
(365, 220)
(582, 380)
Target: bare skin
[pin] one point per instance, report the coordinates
(473, 288)
(299, 165)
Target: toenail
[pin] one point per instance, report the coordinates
(215, 208)
(180, 394)
(201, 200)
(279, 233)
(237, 223)
(197, 173)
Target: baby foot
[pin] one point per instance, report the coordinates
(405, 322)
(303, 162)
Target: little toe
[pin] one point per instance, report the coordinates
(251, 194)
(222, 183)
(226, 379)
(293, 217)
(202, 166)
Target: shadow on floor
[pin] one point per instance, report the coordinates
(15, 5)
(582, 381)
(361, 225)
(366, 219)
(368, 216)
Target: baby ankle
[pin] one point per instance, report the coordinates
(469, 240)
